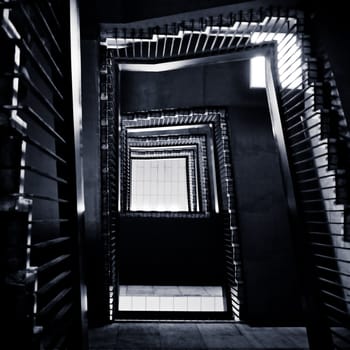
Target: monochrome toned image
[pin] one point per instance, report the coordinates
(174, 175)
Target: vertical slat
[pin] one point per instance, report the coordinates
(41, 93)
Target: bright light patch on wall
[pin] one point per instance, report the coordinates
(289, 57)
(257, 72)
(159, 185)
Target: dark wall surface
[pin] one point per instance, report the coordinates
(91, 150)
(212, 85)
(123, 11)
(268, 260)
(171, 251)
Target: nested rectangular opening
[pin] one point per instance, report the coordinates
(159, 185)
(162, 86)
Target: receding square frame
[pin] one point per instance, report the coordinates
(233, 292)
(269, 52)
(170, 131)
(189, 153)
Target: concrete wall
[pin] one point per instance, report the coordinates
(171, 251)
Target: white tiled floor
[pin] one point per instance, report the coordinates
(171, 298)
(133, 290)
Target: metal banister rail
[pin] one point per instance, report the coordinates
(40, 267)
(315, 131)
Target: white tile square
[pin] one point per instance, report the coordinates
(219, 304)
(208, 303)
(125, 303)
(138, 303)
(166, 304)
(152, 303)
(194, 303)
(180, 303)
